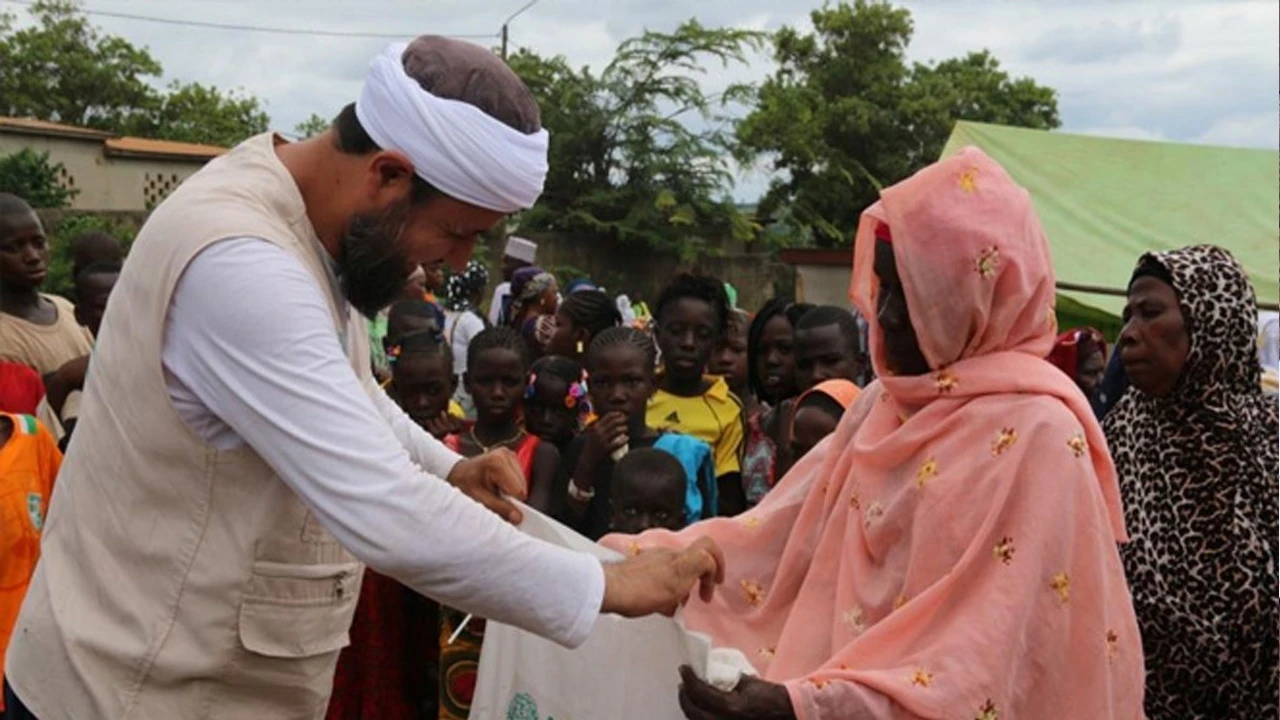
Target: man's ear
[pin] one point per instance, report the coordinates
(389, 178)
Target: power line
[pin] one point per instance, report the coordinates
(254, 28)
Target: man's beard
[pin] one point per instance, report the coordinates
(373, 266)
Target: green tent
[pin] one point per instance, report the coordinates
(1104, 202)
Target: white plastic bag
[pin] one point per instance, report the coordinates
(626, 670)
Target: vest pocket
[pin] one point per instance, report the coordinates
(297, 611)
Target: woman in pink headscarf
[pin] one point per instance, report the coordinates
(950, 551)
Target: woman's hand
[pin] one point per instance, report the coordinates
(603, 437)
(752, 699)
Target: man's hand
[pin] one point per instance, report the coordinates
(488, 479)
(659, 581)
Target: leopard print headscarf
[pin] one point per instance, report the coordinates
(1198, 473)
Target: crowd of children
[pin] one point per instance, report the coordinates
(618, 427)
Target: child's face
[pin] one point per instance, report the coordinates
(812, 425)
(647, 501)
(92, 293)
(24, 251)
(546, 415)
(775, 360)
(496, 382)
(824, 353)
(422, 384)
(434, 275)
(621, 380)
(564, 338)
(687, 336)
(730, 359)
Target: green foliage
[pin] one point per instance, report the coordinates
(59, 280)
(29, 175)
(198, 113)
(639, 152)
(845, 115)
(63, 69)
(312, 126)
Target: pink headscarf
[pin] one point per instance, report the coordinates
(950, 551)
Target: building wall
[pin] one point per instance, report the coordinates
(104, 182)
(823, 284)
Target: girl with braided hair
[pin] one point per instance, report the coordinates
(582, 316)
(621, 364)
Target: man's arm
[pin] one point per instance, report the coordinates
(429, 453)
(250, 335)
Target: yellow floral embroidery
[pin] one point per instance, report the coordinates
(753, 591)
(922, 678)
(751, 522)
(969, 180)
(819, 684)
(633, 549)
(1078, 445)
(855, 500)
(928, 470)
(853, 618)
(899, 601)
(1003, 550)
(1113, 644)
(1003, 441)
(988, 711)
(987, 262)
(874, 511)
(766, 653)
(945, 381)
(1061, 584)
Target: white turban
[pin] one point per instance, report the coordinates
(453, 145)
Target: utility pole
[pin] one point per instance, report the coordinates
(507, 22)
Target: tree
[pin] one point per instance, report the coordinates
(198, 113)
(312, 126)
(639, 153)
(845, 115)
(29, 175)
(63, 69)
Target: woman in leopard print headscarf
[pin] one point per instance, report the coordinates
(1194, 443)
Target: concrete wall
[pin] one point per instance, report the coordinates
(823, 284)
(104, 182)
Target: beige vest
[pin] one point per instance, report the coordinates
(177, 580)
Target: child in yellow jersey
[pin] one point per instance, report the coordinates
(29, 462)
(690, 317)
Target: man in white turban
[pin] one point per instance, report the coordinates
(235, 465)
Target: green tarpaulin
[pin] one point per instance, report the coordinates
(1104, 202)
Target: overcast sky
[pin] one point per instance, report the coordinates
(1206, 72)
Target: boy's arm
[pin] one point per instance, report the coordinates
(546, 463)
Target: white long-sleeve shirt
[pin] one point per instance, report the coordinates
(251, 357)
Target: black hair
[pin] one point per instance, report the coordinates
(648, 462)
(696, 287)
(559, 367)
(823, 402)
(591, 310)
(421, 343)
(828, 315)
(503, 338)
(351, 138)
(1149, 266)
(98, 268)
(11, 204)
(739, 319)
(637, 339)
(773, 308)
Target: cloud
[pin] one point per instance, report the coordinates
(1106, 41)
(1191, 70)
